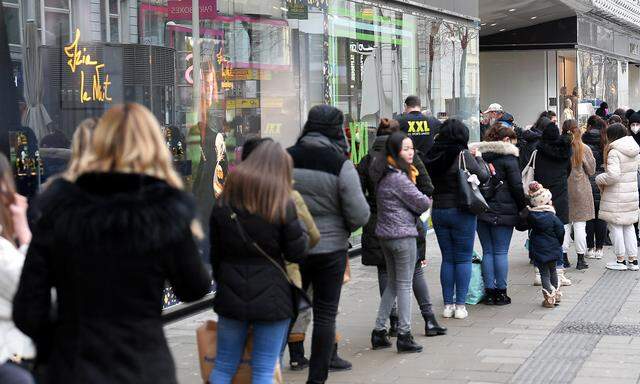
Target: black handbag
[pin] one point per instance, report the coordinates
(301, 300)
(470, 197)
(493, 185)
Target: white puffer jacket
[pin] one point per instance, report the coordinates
(619, 184)
(12, 341)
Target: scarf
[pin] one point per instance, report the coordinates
(413, 171)
(543, 208)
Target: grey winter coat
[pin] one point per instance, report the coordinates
(400, 203)
(330, 186)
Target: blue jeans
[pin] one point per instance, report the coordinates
(495, 240)
(232, 337)
(455, 231)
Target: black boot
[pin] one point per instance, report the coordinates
(431, 326)
(501, 297)
(393, 329)
(406, 344)
(337, 363)
(565, 261)
(581, 264)
(380, 339)
(297, 361)
(489, 296)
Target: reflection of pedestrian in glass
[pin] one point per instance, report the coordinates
(221, 165)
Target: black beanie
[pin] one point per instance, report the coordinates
(326, 120)
(628, 113)
(550, 132)
(634, 118)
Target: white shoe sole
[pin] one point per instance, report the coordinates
(617, 267)
(634, 268)
(447, 314)
(461, 315)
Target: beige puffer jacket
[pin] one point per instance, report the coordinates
(619, 184)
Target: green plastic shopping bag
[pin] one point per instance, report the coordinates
(476, 285)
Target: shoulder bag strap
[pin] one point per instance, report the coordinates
(462, 164)
(247, 239)
(532, 160)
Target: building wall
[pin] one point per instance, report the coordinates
(463, 7)
(516, 80)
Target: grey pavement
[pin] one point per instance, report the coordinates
(592, 337)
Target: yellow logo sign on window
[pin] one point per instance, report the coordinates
(80, 59)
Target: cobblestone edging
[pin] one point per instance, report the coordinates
(561, 355)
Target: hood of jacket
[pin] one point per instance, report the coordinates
(492, 148)
(556, 149)
(627, 146)
(592, 137)
(531, 135)
(317, 139)
(379, 143)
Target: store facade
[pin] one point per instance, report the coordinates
(256, 69)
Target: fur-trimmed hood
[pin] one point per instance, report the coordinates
(115, 207)
(496, 147)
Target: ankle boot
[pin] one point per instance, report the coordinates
(337, 363)
(380, 339)
(393, 328)
(489, 296)
(406, 344)
(565, 261)
(581, 264)
(549, 299)
(431, 326)
(502, 298)
(297, 361)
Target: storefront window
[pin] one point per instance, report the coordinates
(12, 21)
(598, 82)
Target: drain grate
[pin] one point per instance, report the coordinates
(591, 328)
(561, 355)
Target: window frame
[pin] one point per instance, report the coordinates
(44, 9)
(18, 5)
(108, 17)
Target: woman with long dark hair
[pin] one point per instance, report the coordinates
(595, 137)
(455, 228)
(399, 204)
(506, 200)
(581, 205)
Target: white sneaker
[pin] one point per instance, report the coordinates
(617, 265)
(598, 254)
(563, 280)
(461, 313)
(633, 265)
(449, 309)
(590, 254)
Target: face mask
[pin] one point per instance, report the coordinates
(635, 127)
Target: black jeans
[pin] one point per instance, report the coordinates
(596, 228)
(325, 272)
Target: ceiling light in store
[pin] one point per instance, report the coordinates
(502, 30)
(534, 17)
(512, 10)
(494, 24)
(483, 24)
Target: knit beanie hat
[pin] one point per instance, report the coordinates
(634, 118)
(327, 120)
(539, 195)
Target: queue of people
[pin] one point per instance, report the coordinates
(82, 280)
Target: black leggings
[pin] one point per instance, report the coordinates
(596, 228)
(325, 273)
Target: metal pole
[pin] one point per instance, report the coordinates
(195, 20)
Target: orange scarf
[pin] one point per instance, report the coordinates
(413, 171)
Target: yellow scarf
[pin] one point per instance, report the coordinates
(413, 171)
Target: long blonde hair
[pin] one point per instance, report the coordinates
(80, 145)
(128, 139)
(571, 125)
(7, 197)
(262, 183)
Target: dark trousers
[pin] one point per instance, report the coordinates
(597, 229)
(325, 272)
(420, 289)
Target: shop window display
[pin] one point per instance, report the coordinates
(598, 82)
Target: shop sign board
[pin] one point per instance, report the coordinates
(297, 9)
(80, 60)
(182, 9)
(243, 103)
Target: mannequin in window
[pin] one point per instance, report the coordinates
(567, 113)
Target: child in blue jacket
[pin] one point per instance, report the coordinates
(545, 241)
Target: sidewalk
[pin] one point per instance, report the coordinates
(593, 337)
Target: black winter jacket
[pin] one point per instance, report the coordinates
(371, 250)
(445, 176)
(107, 243)
(249, 286)
(527, 143)
(420, 129)
(553, 167)
(592, 139)
(509, 199)
(546, 237)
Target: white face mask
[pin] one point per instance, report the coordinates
(635, 127)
